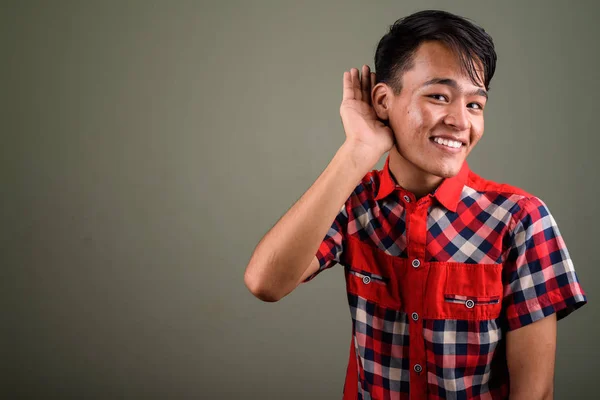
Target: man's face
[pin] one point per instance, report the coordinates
(437, 118)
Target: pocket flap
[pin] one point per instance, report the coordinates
(372, 274)
(477, 300)
(461, 291)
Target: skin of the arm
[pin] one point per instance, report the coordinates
(530, 354)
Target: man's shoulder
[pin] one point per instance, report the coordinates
(484, 185)
(515, 200)
(368, 185)
(365, 192)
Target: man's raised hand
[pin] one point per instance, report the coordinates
(361, 124)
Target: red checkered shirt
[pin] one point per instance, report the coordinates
(433, 285)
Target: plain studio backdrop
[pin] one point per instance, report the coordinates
(148, 146)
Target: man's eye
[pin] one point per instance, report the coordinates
(477, 106)
(439, 97)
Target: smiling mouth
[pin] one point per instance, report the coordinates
(453, 146)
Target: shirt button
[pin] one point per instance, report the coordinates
(470, 303)
(366, 280)
(406, 199)
(415, 316)
(416, 263)
(418, 368)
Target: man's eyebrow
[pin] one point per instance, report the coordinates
(453, 84)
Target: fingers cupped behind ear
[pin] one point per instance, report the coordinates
(366, 84)
(356, 84)
(348, 91)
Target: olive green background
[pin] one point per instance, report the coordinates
(148, 146)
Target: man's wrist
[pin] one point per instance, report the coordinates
(360, 156)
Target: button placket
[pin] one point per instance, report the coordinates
(416, 238)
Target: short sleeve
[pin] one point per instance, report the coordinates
(331, 248)
(538, 274)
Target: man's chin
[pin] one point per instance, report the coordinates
(450, 174)
(445, 171)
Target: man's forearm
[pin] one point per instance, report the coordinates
(286, 251)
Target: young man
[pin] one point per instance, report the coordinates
(455, 283)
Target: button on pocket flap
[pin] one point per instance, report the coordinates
(368, 277)
(464, 291)
(474, 300)
(372, 287)
(371, 274)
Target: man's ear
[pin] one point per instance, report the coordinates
(380, 100)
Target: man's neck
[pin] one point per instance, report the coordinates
(410, 177)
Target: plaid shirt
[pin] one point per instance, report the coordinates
(433, 285)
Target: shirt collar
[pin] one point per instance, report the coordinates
(447, 193)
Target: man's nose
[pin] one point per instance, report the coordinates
(458, 117)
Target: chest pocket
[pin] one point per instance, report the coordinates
(372, 274)
(464, 291)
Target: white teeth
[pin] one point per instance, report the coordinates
(447, 142)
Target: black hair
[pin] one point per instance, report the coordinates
(469, 41)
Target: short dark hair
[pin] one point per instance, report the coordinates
(469, 41)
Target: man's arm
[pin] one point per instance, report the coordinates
(286, 254)
(283, 255)
(537, 255)
(530, 353)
